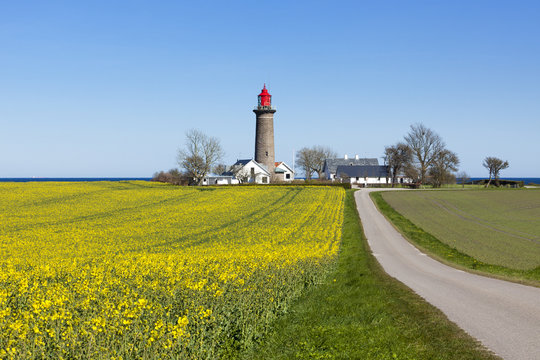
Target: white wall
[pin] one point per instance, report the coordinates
(369, 180)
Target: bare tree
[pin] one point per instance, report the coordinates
(463, 178)
(241, 173)
(396, 158)
(320, 154)
(305, 159)
(425, 145)
(411, 172)
(444, 163)
(220, 169)
(201, 152)
(312, 159)
(494, 165)
(344, 177)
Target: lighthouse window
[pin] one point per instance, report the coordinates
(267, 153)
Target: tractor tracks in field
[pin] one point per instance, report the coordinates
(203, 236)
(451, 209)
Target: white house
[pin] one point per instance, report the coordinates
(219, 180)
(249, 171)
(363, 175)
(331, 165)
(283, 172)
(366, 175)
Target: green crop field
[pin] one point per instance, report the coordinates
(495, 227)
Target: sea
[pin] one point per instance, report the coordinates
(74, 179)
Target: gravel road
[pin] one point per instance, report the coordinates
(504, 316)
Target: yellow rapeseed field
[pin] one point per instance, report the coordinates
(126, 270)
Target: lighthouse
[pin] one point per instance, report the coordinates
(264, 131)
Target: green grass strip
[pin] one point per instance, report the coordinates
(447, 254)
(360, 312)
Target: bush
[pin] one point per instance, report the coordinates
(500, 182)
(172, 176)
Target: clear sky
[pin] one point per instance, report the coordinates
(109, 88)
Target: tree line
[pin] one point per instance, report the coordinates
(422, 156)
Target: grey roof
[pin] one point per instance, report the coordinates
(371, 171)
(279, 163)
(242, 162)
(332, 164)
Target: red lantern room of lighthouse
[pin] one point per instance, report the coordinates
(265, 99)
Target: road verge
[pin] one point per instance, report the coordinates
(360, 312)
(447, 254)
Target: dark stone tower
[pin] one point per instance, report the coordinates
(264, 131)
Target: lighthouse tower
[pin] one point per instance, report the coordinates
(264, 131)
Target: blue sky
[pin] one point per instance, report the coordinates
(109, 88)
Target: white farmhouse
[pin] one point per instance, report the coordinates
(331, 165)
(213, 179)
(283, 172)
(361, 171)
(249, 171)
(363, 175)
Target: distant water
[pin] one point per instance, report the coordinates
(70, 179)
(525, 180)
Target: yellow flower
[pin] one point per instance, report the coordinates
(109, 268)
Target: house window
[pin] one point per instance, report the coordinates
(287, 176)
(357, 178)
(264, 180)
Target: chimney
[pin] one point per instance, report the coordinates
(346, 157)
(356, 157)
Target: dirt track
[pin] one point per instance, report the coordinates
(504, 316)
